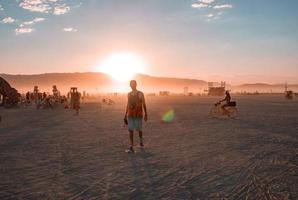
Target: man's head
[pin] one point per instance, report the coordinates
(133, 84)
(227, 92)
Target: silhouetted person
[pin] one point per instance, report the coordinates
(227, 99)
(44, 96)
(134, 113)
(27, 97)
(77, 97)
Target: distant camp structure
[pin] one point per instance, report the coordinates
(151, 94)
(9, 96)
(289, 94)
(164, 93)
(43, 99)
(185, 91)
(216, 91)
(75, 97)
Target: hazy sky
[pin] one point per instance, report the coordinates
(234, 40)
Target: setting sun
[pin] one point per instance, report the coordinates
(122, 66)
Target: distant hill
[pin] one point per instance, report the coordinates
(262, 87)
(98, 82)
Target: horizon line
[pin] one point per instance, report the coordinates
(168, 77)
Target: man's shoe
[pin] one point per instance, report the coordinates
(130, 150)
(141, 142)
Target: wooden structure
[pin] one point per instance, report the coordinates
(164, 93)
(185, 91)
(75, 97)
(216, 91)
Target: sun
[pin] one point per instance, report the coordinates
(122, 66)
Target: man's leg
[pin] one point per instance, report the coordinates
(131, 127)
(139, 129)
(225, 111)
(141, 138)
(131, 138)
(223, 108)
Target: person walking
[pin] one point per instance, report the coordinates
(136, 110)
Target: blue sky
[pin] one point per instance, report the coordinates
(233, 40)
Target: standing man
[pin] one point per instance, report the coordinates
(134, 113)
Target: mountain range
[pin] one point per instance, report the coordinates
(98, 82)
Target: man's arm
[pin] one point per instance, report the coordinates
(223, 99)
(126, 110)
(145, 107)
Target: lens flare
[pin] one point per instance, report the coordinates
(168, 116)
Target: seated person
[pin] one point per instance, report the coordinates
(227, 99)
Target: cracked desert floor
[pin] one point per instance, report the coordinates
(53, 154)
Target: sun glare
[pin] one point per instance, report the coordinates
(122, 66)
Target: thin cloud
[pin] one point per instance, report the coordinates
(37, 19)
(223, 6)
(199, 5)
(213, 16)
(36, 5)
(210, 5)
(19, 31)
(202, 4)
(56, 7)
(47, 7)
(69, 29)
(206, 1)
(8, 20)
(60, 10)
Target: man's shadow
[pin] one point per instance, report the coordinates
(140, 181)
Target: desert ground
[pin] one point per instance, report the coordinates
(53, 154)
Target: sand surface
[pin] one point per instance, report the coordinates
(52, 154)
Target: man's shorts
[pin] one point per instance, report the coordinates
(135, 123)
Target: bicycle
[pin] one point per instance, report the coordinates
(230, 111)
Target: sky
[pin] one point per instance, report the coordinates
(238, 41)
